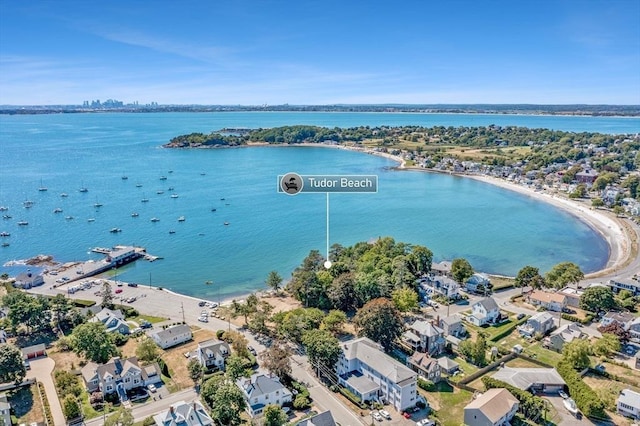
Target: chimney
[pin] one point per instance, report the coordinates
(171, 409)
(195, 408)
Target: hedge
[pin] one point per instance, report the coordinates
(586, 320)
(427, 385)
(352, 397)
(79, 303)
(586, 399)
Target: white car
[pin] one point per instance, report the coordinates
(203, 319)
(152, 387)
(385, 414)
(377, 416)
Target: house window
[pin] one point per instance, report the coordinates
(127, 379)
(136, 381)
(109, 387)
(255, 400)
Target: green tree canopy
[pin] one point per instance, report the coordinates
(322, 348)
(277, 359)
(405, 299)
(12, 367)
(607, 345)
(529, 276)
(461, 270)
(226, 400)
(380, 321)
(597, 298)
(122, 417)
(71, 407)
(563, 274)
(576, 353)
(274, 416)
(334, 321)
(196, 370)
(92, 341)
(147, 350)
(274, 281)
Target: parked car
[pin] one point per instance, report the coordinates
(385, 414)
(132, 285)
(152, 387)
(377, 416)
(520, 316)
(563, 394)
(203, 319)
(118, 290)
(145, 324)
(406, 415)
(201, 303)
(252, 350)
(600, 368)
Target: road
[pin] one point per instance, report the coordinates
(41, 370)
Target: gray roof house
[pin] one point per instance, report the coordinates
(495, 407)
(323, 419)
(119, 375)
(184, 414)
(531, 379)
(541, 322)
(5, 409)
(211, 354)
(112, 320)
(28, 280)
(452, 325)
(425, 337)
(448, 365)
(628, 403)
(172, 336)
(425, 366)
(622, 318)
(565, 334)
(372, 375)
(485, 311)
(261, 390)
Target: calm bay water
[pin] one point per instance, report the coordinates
(497, 230)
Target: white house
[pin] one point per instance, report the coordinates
(630, 285)
(495, 407)
(211, 354)
(112, 320)
(172, 336)
(565, 334)
(623, 318)
(478, 283)
(442, 286)
(485, 311)
(119, 375)
(261, 390)
(184, 414)
(372, 375)
(541, 322)
(629, 403)
(634, 330)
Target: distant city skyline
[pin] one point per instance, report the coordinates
(320, 52)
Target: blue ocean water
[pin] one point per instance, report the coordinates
(497, 230)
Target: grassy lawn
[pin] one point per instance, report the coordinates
(149, 318)
(542, 354)
(177, 362)
(501, 282)
(26, 405)
(448, 403)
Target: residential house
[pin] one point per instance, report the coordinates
(630, 285)
(628, 403)
(587, 176)
(573, 296)
(372, 375)
(211, 354)
(424, 336)
(542, 323)
(440, 285)
(633, 328)
(548, 300)
(184, 414)
(425, 366)
(28, 280)
(5, 410)
(3, 336)
(622, 318)
(485, 311)
(261, 390)
(535, 380)
(172, 336)
(495, 407)
(323, 419)
(112, 320)
(452, 326)
(478, 283)
(565, 334)
(441, 268)
(119, 375)
(447, 365)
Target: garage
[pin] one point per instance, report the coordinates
(33, 352)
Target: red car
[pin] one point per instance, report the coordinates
(406, 415)
(118, 290)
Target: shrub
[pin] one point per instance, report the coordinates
(148, 421)
(119, 339)
(219, 334)
(427, 385)
(164, 368)
(585, 397)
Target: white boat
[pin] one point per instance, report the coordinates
(64, 195)
(144, 199)
(5, 234)
(174, 195)
(134, 214)
(83, 189)
(6, 216)
(160, 191)
(91, 219)
(172, 232)
(115, 230)
(23, 223)
(155, 219)
(163, 178)
(4, 208)
(57, 210)
(28, 204)
(5, 244)
(181, 219)
(42, 187)
(138, 185)
(124, 177)
(69, 217)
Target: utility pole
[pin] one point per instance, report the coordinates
(182, 307)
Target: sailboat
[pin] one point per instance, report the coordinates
(97, 204)
(83, 188)
(181, 219)
(144, 198)
(42, 187)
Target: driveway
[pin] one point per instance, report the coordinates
(41, 370)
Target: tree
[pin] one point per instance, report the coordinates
(616, 329)
(420, 260)
(342, 292)
(92, 341)
(606, 345)
(274, 281)
(12, 367)
(632, 182)
(60, 306)
(461, 270)
(322, 348)
(226, 400)
(597, 202)
(122, 417)
(107, 295)
(71, 407)
(234, 367)
(239, 343)
(195, 369)
(277, 360)
(405, 299)
(564, 273)
(147, 350)
(380, 321)
(474, 351)
(334, 321)
(596, 299)
(274, 416)
(577, 352)
(529, 277)
(24, 309)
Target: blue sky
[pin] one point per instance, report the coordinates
(320, 52)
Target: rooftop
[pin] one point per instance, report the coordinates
(368, 352)
(494, 403)
(524, 378)
(629, 397)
